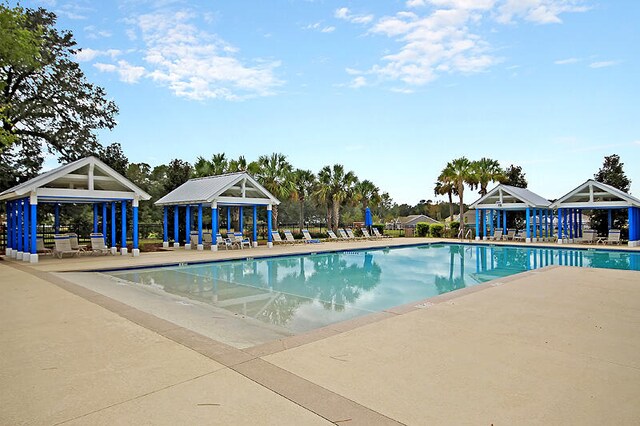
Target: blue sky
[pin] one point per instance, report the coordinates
(392, 90)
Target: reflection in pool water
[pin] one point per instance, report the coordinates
(300, 293)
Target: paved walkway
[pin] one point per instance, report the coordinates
(553, 346)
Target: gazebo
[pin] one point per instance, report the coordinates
(594, 195)
(493, 207)
(232, 190)
(85, 181)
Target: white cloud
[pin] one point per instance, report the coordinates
(329, 29)
(318, 26)
(602, 64)
(403, 90)
(566, 61)
(193, 63)
(415, 3)
(88, 54)
(358, 82)
(128, 73)
(345, 14)
(538, 11)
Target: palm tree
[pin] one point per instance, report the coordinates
(335, 187)
(444, 187)
(487, 170)
(304, 181)
(274, 174)
(366, 192)
(323, 191)
(459, 172)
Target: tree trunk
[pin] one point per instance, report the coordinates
(336, 215)
(301, 213)
(451, 205)
(274, 217)
(329, 217)
(461, 191)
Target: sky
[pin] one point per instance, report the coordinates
(393, 90)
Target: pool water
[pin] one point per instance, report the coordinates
(300, 293)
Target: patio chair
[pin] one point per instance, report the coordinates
(351, 235)
(511, 234)
(366, 234)
(308, 238)
(73, 239)
(224, 242)
(612, 238)
(519, 236)
(333, 236)
(207, 239)
(588, 236)
(40, 248)
(97, 244)
(241, 241)
(377, 233)
(497, 235)
(343, 234)
(289, 236)
(276, 239)
(63, 246)
(193, 238)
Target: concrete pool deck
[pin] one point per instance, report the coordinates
(559, 345)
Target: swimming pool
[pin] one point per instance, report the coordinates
(300, 293)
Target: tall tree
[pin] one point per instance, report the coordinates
(177, 173)
(304, 181)
(114, 157)
(515, 177)
(274, 174)
(335, 187)
(613, 174)
(366, 192)
(444, 187)
(47, 103)
(460, 173)
(487, 170)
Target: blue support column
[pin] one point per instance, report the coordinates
(9, 230)
(165, 226)
(634, 231)
(95, 217)
(228, 219)
(269, 237)
(34, 230)
(56, 218)
(499, 216)
(27, 228)
(580, 223)
(240, 219)
(113, 227)
(477, 224)
(528, 224)
(176, 237)
(187, 231)
(609, 219)
(19, 227)
(504, 222)
(123, 229)
(200, 226)
(491, 222)
(104, 222)
(255, 226)
(570, 224)
(134, 208)
(214, 226)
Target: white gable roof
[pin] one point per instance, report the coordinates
(594, 194)
(508, 197)
(228, 189)
(84, 180)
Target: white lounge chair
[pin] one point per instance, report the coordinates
(351, 235)
(308, 238)
(97, 244)
(378, 234)
(241, 241)
(276, 239)
(63, 246)
(497, 235)
(366, 234)
(207, 239)
(73, 239)
(612, 238)
(588, 237)
(289, 237)
(40, 248)
(343, 234)
(224, 242)
(511, 234)
(332, 235)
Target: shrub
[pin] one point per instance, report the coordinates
(436, 230)
(380, 227)
(422, 229)
(455, 227)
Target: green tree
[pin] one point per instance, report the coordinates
(460, 173)
(487, 170)
(445, 187)
(613, 174)
(366, 192)
(303, 181)
(177, 173)
(114, 157)
(335, 187)
(274, 173)
(513, 176)
(47, 103)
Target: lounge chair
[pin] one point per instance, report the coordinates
(289, 237)
(332, 235)
(97, 244)
(612, 238)
(497, 235)
(193, 239)
(240, 240)
(308, 238)
(351, 235)
(40, 248)
(276, 239)
(519, 236)
(207, 239)
(588, 237)
(377, 233)
(366, 234)
(343, 234)
(511, 235)
(73, 239)
(63, 246)
(224, 242)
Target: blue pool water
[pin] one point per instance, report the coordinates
(299, 293)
